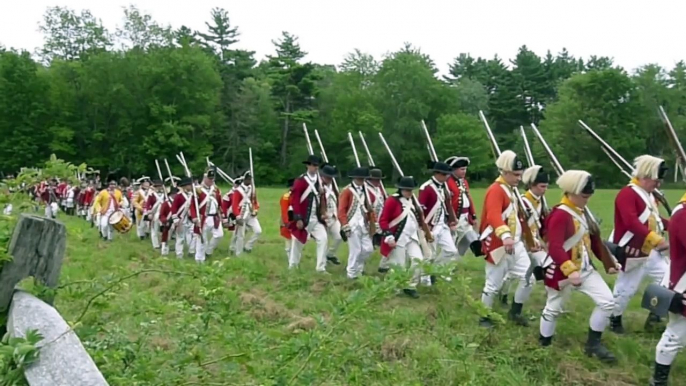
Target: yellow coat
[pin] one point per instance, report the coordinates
(139, 202)
(102, 201)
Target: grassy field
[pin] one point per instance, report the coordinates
(250, 321)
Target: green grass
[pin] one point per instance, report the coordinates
(250, 321)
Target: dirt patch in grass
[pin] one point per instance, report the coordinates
(395, 349)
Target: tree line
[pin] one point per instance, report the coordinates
(118, 100)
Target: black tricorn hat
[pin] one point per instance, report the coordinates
(211, 172)
(238, 180)
(457, 162)
(247, 175)
(290, 182)
(359, 172)
(439, 167)
(329, 171)
(157, 183)
(313, 160)
(407, 183)
(376, 174)
(185, 181)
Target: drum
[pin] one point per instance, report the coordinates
(120, 222)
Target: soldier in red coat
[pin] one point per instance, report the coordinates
(181, 221)
(434, 199)
(209, 223)
(308, 206)
(244, 206)
(639, 234)
(503, 235)
(228, 218)
(570, 267)
(674, 338)
(166, 221)
(152, 211)
(50, 197)
(461, 199)
(399, 223)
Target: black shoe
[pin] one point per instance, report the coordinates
(660, 375)
(515, 315)
(616, 324)
(411, 293)
(247, 250)
(545, 341)
(596, 349)
(503, 299)
(486, 323)
(333, 260)
(653, 323)
(383, 270)
(433, 279)
(141, 237)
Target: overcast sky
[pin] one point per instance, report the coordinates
(633, 32)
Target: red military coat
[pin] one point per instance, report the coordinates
(203, 203)
(677, 249)
(392, 221)
(303, 200)
(456, 200)
(496, 203)
(430, 202)
(561, 225)
(629, 206)
(178, 205)
(165, 216)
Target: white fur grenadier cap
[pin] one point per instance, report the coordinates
(576, 182)
(535, 175)
(508, 162)
(647, 166)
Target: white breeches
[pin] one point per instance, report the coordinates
(359, 248)
(211, 236)
(592, 285)
(319, 234)
(333, 226)
(51, 210)
(251, 223)
(627, 283)
(287, 247)
(184, 235)
(155, 233)
(105, 228)
(443, 240)
(514, 266)
(142, 227)
(400, 256)
(673, 340)
(8, 210)
(463, 226)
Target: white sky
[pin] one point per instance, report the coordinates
(633, 32)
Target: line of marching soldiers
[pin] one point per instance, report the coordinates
(553, 246)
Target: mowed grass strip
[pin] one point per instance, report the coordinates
(251, 321)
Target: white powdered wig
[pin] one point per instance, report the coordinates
(647, 166)
(573, 181)
(530, 174)
(506, 160)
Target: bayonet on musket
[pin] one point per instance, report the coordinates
(674, 139)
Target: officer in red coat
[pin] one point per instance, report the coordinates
(308, 205)
(674, 338)
(639, 234)
(570, 267)
(399, 223)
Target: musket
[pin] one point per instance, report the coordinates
(371, 216)
(252, 175)
(322, 194)
(164, 188)
(610, 151)
(369, 157)
(674, 139)
(447, 206)
(171, 176)
(182, 160)
(417, 207)
(221, 173)
(496, 152)
(324, 157)
(608, 259)
(531, 162)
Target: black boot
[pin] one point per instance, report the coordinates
(503, 299)
(596, 349)
(515, 315)
(616, 324)
(660, 375)
(653, 323)
(486, 323)
(411, 293)
(383, 270)
(545, 341)
(333, 260)
(433, 279)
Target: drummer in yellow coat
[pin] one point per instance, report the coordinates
(108, 201)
